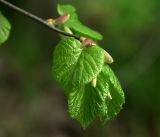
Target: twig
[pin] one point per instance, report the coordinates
(37, 19)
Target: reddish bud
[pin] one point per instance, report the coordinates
(87, 42)
(62, 19)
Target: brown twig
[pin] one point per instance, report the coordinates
(37, 19)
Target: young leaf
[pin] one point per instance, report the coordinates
(62, 9)
(105, 101)
(84, 30)
(75, 65)
(4, 28)
(65, 9)
(75, 24)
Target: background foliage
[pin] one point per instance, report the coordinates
(31, 103)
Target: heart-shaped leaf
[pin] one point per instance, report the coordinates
(75, 65)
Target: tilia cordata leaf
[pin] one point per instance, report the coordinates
(87, 103)
(75, 65)
(4, 28)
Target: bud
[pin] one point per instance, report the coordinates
(94, 82)
(87, 42)
(50, 22)
(108, 57)
(62, 19)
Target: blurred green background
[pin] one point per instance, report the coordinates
(33, 105)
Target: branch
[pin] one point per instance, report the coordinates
(37, 19)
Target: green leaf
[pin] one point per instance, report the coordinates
(68, 9)
(105, 101)
(4, 29)
(75, 65)
(84, 30)
(75, 24)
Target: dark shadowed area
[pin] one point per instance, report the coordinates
(31, 102)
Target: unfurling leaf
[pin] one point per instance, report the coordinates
(65, 9)
(75, 65)
(4, 28)
(75, 24)
(85, 31)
